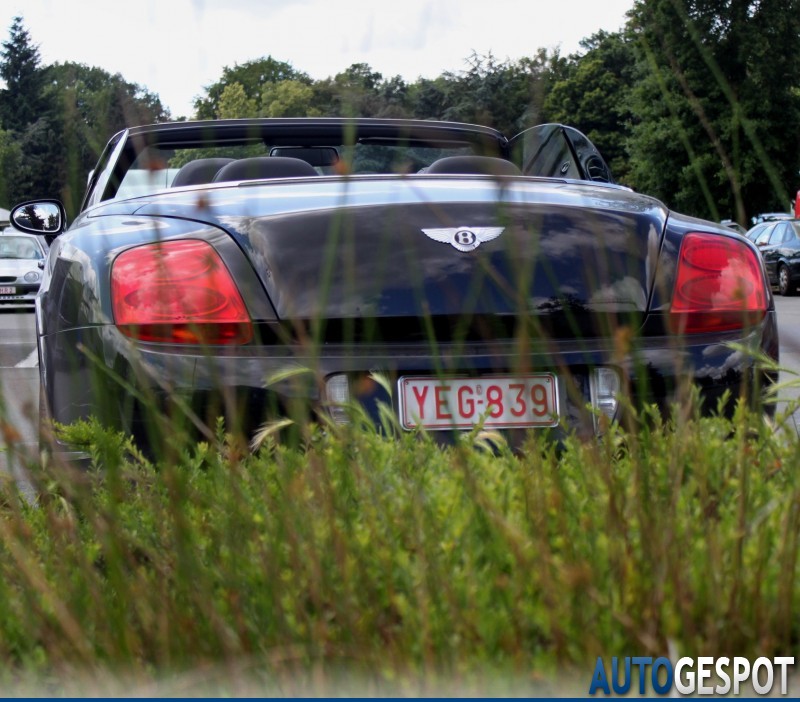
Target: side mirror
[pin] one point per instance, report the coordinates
(43, 217)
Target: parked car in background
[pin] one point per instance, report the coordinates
(779, 244)
(738, 228)
(273, 268)
(771, 217)
(21, 256)
(760, 231)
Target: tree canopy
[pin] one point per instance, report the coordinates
(56, 119)
(592, 93)
(716, 104)
(252, 77)
(23, 99)
(694, 101)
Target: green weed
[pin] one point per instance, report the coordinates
(393, 557)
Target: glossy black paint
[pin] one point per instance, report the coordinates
(780, 248)
(233, 382)
(338, 276)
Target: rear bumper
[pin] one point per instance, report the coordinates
(97, 371)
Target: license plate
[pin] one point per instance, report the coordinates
(8, 291)
(502, 402)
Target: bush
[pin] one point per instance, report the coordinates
(388, 558)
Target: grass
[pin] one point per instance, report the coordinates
(392, 560)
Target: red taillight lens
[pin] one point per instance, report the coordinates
(719, 285)
(177, 292)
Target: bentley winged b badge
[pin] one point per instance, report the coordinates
(464, 238)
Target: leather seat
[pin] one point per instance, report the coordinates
(259, 167)
(201, 170)
(481, 165)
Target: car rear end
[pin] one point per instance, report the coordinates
(512, 304)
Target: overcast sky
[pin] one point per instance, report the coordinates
(176, 47)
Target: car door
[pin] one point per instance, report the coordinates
(558, 151)
(754, 232)
(789, 248)
(769, 241)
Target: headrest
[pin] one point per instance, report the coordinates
(321, 156)
(201, 170)
(260, 167)
(482, 165)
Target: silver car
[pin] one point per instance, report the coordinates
(20, 272)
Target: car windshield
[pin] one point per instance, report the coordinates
(156, 167)
(157, 157)
(19, 247)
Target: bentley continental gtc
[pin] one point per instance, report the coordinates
(440, 274)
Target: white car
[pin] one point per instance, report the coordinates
(20, 272)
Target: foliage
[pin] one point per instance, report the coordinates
(505, 95)
(354, 91)
(387, 557)
(234, 103)
(91, 105)
(27, 117)
(593, 95)
(57, 119)
(695, 102)
(10, 158)
(288, 98)
(252, 76)
(22, 101)
(40, 168)
(716, 104)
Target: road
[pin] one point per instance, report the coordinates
(789, 330)
(19, 392)
(19, 375)
(19, 379)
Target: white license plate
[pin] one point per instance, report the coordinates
(8, 291)
(501, 402)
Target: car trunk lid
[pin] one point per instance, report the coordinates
(411, 257)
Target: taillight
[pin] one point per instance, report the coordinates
(719, 285)
(177, 292)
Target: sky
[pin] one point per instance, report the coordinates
(175, 48)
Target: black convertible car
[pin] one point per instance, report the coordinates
(273, 268)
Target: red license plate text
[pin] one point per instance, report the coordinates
(501, 402)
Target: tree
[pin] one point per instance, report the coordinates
(10, 158)
(430, 98)
(593, 95)
(355, 92)
(252, 76)
(359, 76)
(29, 116)
(40, 171)
(716, 104)
(505, 95)
(22, 101)
(235, 104)
(289, 98)
(92, 105)
(394, 98)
